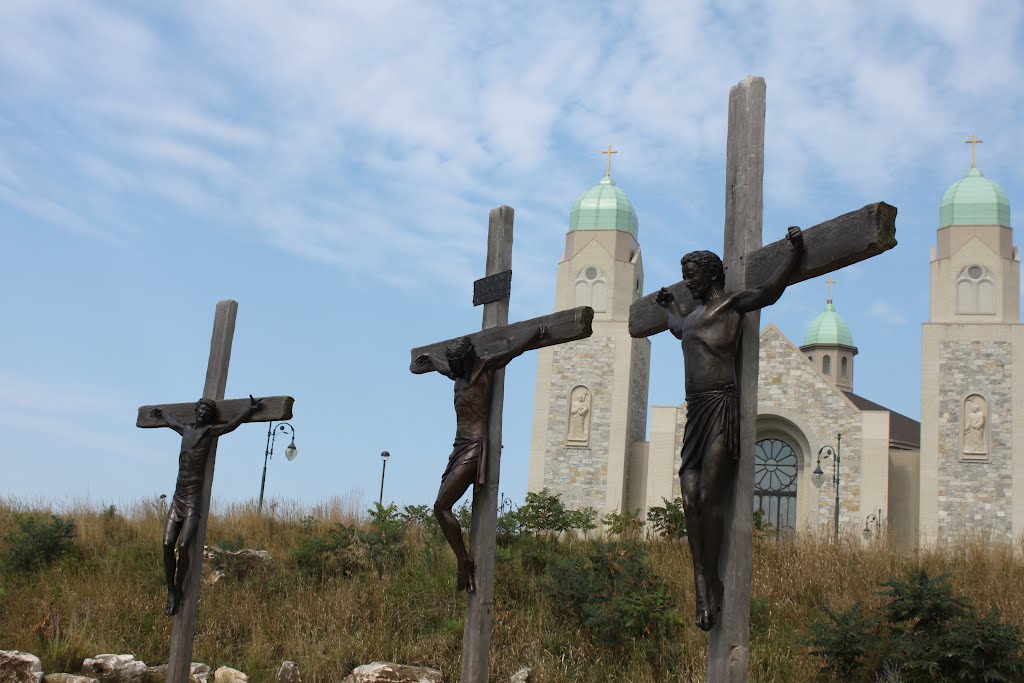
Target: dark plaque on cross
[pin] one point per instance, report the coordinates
(476, 364)
(200, 424)
(715, 312)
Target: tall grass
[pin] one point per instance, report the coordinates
(109, 595)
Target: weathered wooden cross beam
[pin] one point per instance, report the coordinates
(272, 408)
(495, 337)
(829, 246)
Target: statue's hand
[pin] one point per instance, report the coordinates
(664, 297)
(156, 412)
(542, 331)
(254, 403)
(421, 360)
(796, 237)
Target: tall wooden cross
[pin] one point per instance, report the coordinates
(272, 408)
(973, 142)
(829, 246)
(495, 336)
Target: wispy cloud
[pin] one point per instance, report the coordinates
(885, 312)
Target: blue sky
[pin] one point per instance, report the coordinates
(331, 166)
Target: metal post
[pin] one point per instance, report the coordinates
(266, 456)
(835, 477)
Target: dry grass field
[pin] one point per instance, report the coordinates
(105, 594)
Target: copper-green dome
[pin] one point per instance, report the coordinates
(604, 207)
(974, 200)
(828, 328)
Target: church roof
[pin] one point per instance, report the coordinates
(974, 200)
(604, 207)
(902, 429)
(828, 328)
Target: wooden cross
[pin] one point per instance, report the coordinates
(496, 336)
(973, 142)
(609, 152)
(830, 282)
(829, 246)
(271, 409)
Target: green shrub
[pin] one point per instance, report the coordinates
(928, 633)
(338, 553)
(668, 521)
(39, 540)
(544, 513)
(615, 594)
(625, 524)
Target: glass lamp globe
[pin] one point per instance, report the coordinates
(291, 452)
(817, 477)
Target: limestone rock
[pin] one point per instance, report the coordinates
(226, 674)
(388, 672)
(234, 563)
(116, 669)
(68, 678)
(288, 673)
(521, 676)
(198, 673)
(19, 667)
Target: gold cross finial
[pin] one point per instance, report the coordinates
(973, 142)
(609, 152)
(830, 282)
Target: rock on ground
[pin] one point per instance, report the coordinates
(388, 672)
(521, 676)
(19, 667)
(198, 673)
(288, 673)
(68, 678)
(116, 669)
(226, 674)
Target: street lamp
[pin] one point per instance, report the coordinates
(818, 477)
(384, 455)
(290, 452)
(873, 519)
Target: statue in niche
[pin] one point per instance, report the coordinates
(974, 426)
(579, 416)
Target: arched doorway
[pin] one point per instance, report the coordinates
(775, 472)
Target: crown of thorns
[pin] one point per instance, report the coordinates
(459, 347)
(208, 402)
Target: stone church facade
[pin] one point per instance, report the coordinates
(953, 473)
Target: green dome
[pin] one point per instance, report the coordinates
(828, 328)
(974, 200)
(604, 207)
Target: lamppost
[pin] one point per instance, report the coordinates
(818, 476)
(873, 519)
(384, 455)
(290, 452)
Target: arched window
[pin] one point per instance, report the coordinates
(591, 289)
(775, 470)
(826, 364)
(844, 367)
(975, 291)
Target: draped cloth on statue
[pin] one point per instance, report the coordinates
(708, 415)
(466, 451)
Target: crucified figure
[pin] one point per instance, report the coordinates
(183, 516)
(710, 335)
(467, 464)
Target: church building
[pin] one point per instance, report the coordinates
(919, 482)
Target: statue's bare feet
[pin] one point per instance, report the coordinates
(703, 616)
(466, 581)
(173, 600)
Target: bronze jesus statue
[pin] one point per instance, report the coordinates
(710, 335)
(183, 515)
(467, 464)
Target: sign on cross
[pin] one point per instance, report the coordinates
(754, 276)
(200, 424)
(476, 364)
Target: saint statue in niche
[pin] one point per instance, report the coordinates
(579, 415)
(974, 426)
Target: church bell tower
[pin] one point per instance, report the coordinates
(590, 403)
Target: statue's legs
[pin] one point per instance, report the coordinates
(171, 530)
(689, 484)
(715, 480)
(188, 534)
(453, 486)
